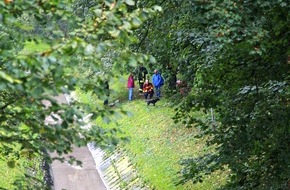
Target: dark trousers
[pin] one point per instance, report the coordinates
(141, 83)
(146, 94)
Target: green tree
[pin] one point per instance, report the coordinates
(235, 56)
(28, 80)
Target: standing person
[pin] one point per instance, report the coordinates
(158, 81)
(130, 86)
(141, 73)
(148, 89)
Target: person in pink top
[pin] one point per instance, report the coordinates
(130, 86)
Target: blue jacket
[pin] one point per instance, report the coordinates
(157, 80)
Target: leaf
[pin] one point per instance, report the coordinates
(126, 26)
(114, 33)
(37, 91)
(6, 77)
(89, 50)
(132, 62)
(98, 12)
(130, 2)
(157, 8)
(152, 59)
(136, 22)
(74, 44)
(101, 47)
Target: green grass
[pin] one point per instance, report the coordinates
(156, 143)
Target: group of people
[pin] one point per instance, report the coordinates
(147, 88)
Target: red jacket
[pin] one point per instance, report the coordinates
(147, 87)
(130, 83)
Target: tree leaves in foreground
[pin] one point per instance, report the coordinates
(31, 113)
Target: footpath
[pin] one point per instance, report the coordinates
(74, 177)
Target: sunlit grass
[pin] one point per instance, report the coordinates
(157, 144)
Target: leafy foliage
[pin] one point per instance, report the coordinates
(31, 83)
(235, 56)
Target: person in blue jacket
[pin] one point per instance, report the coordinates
(157, 81)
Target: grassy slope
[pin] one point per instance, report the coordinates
(156, 143)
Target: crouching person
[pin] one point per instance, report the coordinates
(148, 90)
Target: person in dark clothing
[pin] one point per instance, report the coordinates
(141, 73)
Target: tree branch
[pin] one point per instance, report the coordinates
(146, 34)
(9, 103)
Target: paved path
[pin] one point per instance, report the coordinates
(73, 177)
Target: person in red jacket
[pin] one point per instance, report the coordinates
(130, 86)
(148, 89)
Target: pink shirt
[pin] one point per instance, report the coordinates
(130, 83)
